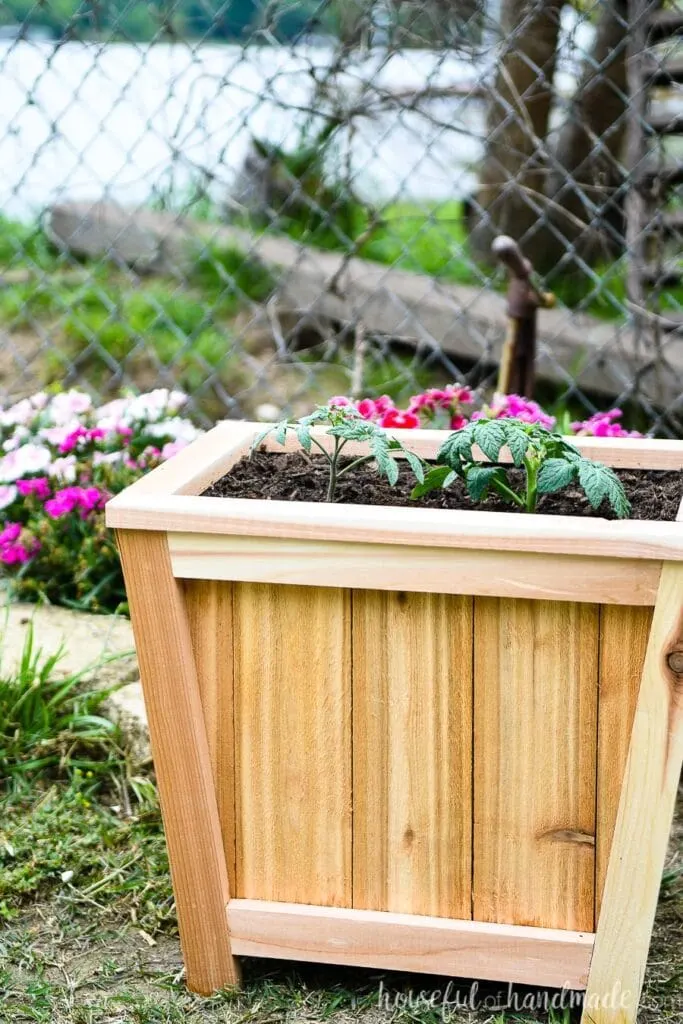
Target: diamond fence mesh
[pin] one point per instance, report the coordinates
(268, 202)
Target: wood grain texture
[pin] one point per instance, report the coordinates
(293, 743)
(535, 700)
(198, 465)
(209, 610)
(411, 568)
(182, 759)
(623, 641)
(412, 753)
(624, 453)
(431, 527)
(407, 942)
(644, 819)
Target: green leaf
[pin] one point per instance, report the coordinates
(392, 470)
(440, 476)
(457, 448)
(260, 438)
(555, 474)
(386, 465)
(415, 464)
(281, 431)
(600, 482)
(490, 436)
(303, 434)
(480, 478)
(354, 430)
(517, 442)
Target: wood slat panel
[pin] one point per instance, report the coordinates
(623, 641)
(412, 750)
(412, 568)
(409, 942)
(293, 743)
(535, 699)
(209, 611)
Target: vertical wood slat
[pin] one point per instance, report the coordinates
(209, 612)
(181, 758)
(624, 633)
(535, 700)
(293, 743)
(644, 819)
(412, 752)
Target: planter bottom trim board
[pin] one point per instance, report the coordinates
(408, 942)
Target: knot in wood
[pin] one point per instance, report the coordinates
(675, 662)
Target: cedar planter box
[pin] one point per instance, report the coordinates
(398, 737)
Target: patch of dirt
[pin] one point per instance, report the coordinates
(653, 494)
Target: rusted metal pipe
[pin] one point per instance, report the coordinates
(518, 358)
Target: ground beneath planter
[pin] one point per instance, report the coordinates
(654, 495)
(65, 962)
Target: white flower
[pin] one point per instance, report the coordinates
(66, 876)
(64, 469)
(177, 428)
(68, 404)
(20, 434)
(8, 493)
(113, 411)
(107, 458)
(55, 435)
(20, 413)
(39, 400)
(24, 460)
(154, 404)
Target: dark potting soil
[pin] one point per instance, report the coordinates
(654, 494)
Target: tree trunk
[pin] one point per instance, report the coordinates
(513, 179)
(589, 169)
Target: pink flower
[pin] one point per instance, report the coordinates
(515, 407)
(172, 448)
(601, 424)
(340, 401)
(449, 399)
(458, 422)
(14, 554)
(80, 436)
(10, 533)
(85, 499)
(399, 419)
(38, 485)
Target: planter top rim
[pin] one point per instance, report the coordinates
(169, 499)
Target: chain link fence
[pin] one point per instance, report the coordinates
(268, 202)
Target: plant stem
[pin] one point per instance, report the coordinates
(356, 462)
(507, 492)
(334, 458)
(532, 468)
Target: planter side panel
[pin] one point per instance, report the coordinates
(293, 743)
(624, 635)
(535, 723)
(209, 612)
(412, 753)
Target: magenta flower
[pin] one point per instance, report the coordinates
(515, 407)
(14, 554)
(85, 499)
(374, 408)
(38, 485)
(399, 419)
(10, 533)
(601, 424)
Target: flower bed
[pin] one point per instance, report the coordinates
(62, 458)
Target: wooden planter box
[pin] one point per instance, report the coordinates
(404, 738)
